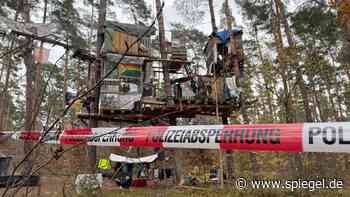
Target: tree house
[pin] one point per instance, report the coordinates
(134, 92)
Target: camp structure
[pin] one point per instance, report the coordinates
(224, 52)
(120, 36)
(36, 31)
(134, 92)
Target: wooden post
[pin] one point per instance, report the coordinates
(221, 153)
(228, 15)
(163, 53)
(212, 15)
(229, 156)
(178, 159)
(65, 77)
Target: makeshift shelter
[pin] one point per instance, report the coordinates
(134, 92)
(225, 59)
(224, 51)
(125, 172)
(120, 36)
(36, 31)
(123, 89)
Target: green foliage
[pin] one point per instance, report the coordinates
(138, 9)
(69, 21)
(257, 12)
(192, 37)
(4, 4)
(313, 24)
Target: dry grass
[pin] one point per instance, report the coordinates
(175, 192)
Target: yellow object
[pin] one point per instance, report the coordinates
(77, 105)
(104, 164)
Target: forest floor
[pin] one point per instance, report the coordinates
(175, 192)
(58, 187)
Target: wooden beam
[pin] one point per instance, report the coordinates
(44, 39)
(167, 60)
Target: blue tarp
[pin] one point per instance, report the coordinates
(225, 35)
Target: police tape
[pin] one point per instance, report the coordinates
(300, 137)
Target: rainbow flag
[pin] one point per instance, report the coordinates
(129, 70)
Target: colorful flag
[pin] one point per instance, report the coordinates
(129, 70)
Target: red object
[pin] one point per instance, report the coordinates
(30, 135)
(75, 135)
(78, 131)
(263, 137)
(144, 136)
(139, 182)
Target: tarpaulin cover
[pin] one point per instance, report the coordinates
(122, 159)
(121, 100)
(118, 35)
(225, 35)
(133, 29)
(7, 25)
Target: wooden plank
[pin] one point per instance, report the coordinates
(119, 41)
(44, 39)
(148, 101)
(167, 60)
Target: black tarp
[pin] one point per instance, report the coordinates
(4, 165)
(15, 181)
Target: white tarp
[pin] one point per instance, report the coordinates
(38, 29)
(122, 159)
(120, 100)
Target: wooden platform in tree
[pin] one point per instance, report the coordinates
(149, 112)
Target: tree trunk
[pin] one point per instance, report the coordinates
(2, 70)
(78, 82)
(178, 159)
(295, 62)
(331, 101)
(339, 102)
(295, 164)
(4, 98)
(229, 155)
(228, 15)
(65, 77)
(163, 53)
(212, 15)
(96, 76)
(30, 85)
(38, 72)
(281, 60)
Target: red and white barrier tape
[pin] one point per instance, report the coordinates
(301, 137)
